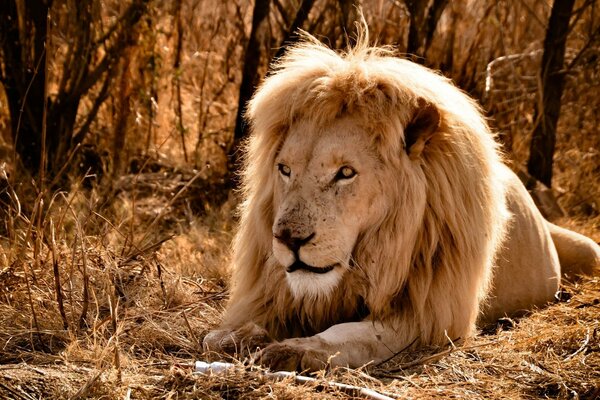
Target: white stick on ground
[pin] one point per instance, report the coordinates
(218, 367)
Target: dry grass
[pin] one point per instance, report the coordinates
(107, 292)
(150, 301)
(554, 352)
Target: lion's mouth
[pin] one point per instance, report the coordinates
(299, 265)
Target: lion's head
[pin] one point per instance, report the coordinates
(327, 192)
(366, 176)
(325, 195)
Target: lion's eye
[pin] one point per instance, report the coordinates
(284, 170)
(345, 173)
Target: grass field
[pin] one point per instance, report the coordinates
(139, 296)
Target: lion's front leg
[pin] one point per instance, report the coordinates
(352, 344)
(241, 341)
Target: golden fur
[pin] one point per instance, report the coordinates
(432, 215)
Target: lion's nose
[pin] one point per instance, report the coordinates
(291, 240)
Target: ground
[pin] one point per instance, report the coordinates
(153, 293)
(553, 353)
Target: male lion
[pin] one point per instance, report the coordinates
(378, 215)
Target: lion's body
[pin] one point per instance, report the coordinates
(378, 214)
(526, 271)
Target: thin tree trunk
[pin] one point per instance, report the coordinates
(121, 125)
(177, 78)
(433, 17)
(290, 35)
(250, 72)
(423, 23)
(24, 76)
(417, 9)
(543, 140)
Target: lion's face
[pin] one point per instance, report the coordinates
(326, 194)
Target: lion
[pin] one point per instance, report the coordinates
(378, 216)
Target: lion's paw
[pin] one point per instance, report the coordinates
(241, 341)
(294, 355)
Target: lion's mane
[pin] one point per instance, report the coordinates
(433, 252)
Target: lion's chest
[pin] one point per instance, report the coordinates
(308, 317)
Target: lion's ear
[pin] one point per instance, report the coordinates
(424, 123)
